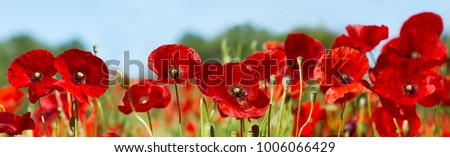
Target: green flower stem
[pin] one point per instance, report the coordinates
(242, 127)
(299, 62)
(150, 121)
(180, 126)
(202, 125)
(313, 96)
(150, 133)
(341, 120)
(76, 117)
(282, 106)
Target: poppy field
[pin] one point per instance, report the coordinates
(292, 88)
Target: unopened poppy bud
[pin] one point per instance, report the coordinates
(313, 96)
(2, 109)
(299, 61)
(405, 128)
(255, 130)
(350, 128)
(95, 47)
(209, 130)
(273, 79)
(234, 133)
(250, 134)
(286, 81)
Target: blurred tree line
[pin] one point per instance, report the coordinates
(241, 38)
(19, 44)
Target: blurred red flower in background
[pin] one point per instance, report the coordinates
(34, 70)
(266, 63)
(109, 134)
(340, 74)
(11, 98)
(50, 105)
(83, 74)
(362, 37)
(386, 127)
(15, 124)
(238, 92)
(49, 111)
(145, 95)
(274, 45)
(317, 115)
(307, 47)
(174, 63)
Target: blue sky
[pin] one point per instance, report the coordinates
(140, 26)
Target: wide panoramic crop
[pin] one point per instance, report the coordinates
(296, 85)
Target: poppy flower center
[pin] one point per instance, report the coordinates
(410, 89)
(37, 76)
(79, 78)
(239, 93)
(345, 79)
(143, 101)
(174, 73)
(415, 54)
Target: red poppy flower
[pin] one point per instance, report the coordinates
(190, 105)
(191, 129)
(209, 76)
(174, 63)
(317, 115)
(11, 98)
(423, 22)
(407, 84)
(419, 40)
(307, 47)
(83, 74)
(15, 124)
(384, 123)
(34, 70)
(238, 93)
(146, 95)
(361, 37)
(341, 71)
(274, 45)
(266, 63)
